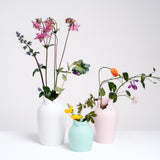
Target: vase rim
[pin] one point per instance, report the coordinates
(79, 123)
(47, 101)
(106, 102)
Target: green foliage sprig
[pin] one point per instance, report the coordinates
(89, 103)
(115, 90)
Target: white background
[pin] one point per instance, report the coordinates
(118, 33)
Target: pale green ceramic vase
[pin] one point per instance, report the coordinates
(80, 137)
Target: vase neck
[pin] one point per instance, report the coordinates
(47, 101)
(105, 102)
(78, 123)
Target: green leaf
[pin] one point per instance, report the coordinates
(58, 89)
(31, 50)
(29, 43)
(92, 120)
(80, 109)
(88, 119)
(154, 69)
(46, 89)
(43, 67)
(25, 47)
(128, 93)
(68, 66)
(36, 70)
(59, 70)
(41, 94)
(143, 76)
(64, 77)
(143, 84)
(51, 45)
(46, 46)
(113, 96)
(36, 53)
(112, 86)
(101, 92)
(125, 76)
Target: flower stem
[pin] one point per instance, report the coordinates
(124, 96)
(46, 66)
(64, 48)
(99, 81)
(39, 70)
(55, 61)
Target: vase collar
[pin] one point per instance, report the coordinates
(79, 123)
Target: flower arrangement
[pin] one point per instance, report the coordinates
(77, 115)
(47, 36)
(118, 81)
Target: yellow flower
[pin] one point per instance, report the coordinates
(76, 117)
(70, 110)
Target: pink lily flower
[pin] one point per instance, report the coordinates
(36, 25)
(41, 36)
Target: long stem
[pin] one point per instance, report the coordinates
(64, 48)
(39, 70)
(46, 66)
(99, 81)
(55, 60)
(123, 95)
(137, 76)
(37, 65)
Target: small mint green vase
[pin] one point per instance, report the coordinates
(80, 137)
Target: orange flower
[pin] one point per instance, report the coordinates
(114, 72)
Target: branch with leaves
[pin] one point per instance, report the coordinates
(116, 91)
(89, 103)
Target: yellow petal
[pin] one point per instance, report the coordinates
(67, 111)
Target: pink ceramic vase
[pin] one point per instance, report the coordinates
(105, 122)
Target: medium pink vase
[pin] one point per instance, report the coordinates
(105, 122)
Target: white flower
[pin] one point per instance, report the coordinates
(135, 100)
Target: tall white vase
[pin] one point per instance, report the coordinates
(51, 122)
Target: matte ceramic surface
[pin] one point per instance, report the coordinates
(51, 123)
(105, 122)
(80, 137)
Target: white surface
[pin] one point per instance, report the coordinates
(117, 33)
(127, 146)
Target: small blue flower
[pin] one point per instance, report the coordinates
(18, 34)
(28, 53)
(39, 89)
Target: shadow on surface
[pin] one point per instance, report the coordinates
(66, 146)
(32, 137)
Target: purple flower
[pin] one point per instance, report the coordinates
(39, 89)
(18, 34)
(40, 65)
(133, 86)
(135, 80)
(28, 53)
(76, 73)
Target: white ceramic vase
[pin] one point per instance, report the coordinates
(51, 122)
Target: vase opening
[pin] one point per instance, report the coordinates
(103, 103)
